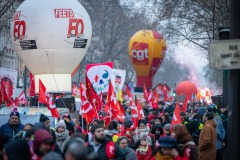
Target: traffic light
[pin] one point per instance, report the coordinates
(174, 93)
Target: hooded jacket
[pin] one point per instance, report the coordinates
(207, 141)
(40, 136)
(11, 130)
(130, 154)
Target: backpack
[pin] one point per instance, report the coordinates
(194, 152)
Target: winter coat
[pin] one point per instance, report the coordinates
(10, 130)
(102, 151)
(207, 141)
(159, 156)
(62, 139)
(130, 154)
(220, 132)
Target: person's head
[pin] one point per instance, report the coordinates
(163, 118)
(154, 111)
(160, 104)
(158, 120)
(128, 110)
(43, 142)
(14, 118)
(208, 116)
(157, 130)
(61, 126)
(52, 156)
(181, 134)
(166, 144)
(166, 129)
(142, 124)
(17, 149)
(98, 133)
(113, 125)
(75, 149)
(182, 115)
(122, 142)
(127, 123)
(67, 117)
(199, 103)
(27, 127)
(44, 119)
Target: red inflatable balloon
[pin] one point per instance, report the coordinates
(186, 88)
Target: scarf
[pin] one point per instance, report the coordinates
(143, 135)
(62, 136)
(124, 150)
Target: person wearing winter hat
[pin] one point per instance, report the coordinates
(128, 152)
(69, 123)
(43, 142)
(144, 150)
(62, 135)
(46, 121)
(17, 149)
(13, 126)
(168, 149)
(166, 129)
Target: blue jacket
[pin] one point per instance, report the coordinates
(10, 130)
(220, 132)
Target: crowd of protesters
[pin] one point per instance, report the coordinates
(202, 135)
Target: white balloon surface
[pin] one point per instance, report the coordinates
(51, 37)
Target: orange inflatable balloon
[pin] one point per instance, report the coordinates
(146, 49)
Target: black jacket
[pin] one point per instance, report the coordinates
(102, 151)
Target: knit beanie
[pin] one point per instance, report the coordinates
(67, 116)
(127, 123)
(15, 112)
(167, 126)
(43, 118)
(61, 123)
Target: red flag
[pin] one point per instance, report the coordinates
(4, 95)
(176, 116)
(113, 108)
(44, 97)
(134, 108)
(32, 85)
(93, 96)
(145, 91)
(184, 107)
(166, 89)
(21, 98)
(140, 110)
(88, 112)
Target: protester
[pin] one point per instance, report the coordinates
(103, 146)
(46, 121)
(52, 156)
(69, 123)
(13, 126)
(161, 107)
(43, 143)
(111, 130)
(167, 150)
(17, 150)
(154, 114)
(128, 152)
(157, 131)
(208, 138)
(144, 150)
(4, 140)
(185, 142)
(62, 134)
(166, 129)
(25, 135)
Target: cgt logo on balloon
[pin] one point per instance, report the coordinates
(140, 53)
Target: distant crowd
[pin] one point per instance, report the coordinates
(201, 135)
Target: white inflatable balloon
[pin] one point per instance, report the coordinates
(51, 37)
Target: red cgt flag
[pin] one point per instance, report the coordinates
(87, 110)
(113, 108)
(93, 96)
(44, 97)
(184, 107)
(176, 116)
